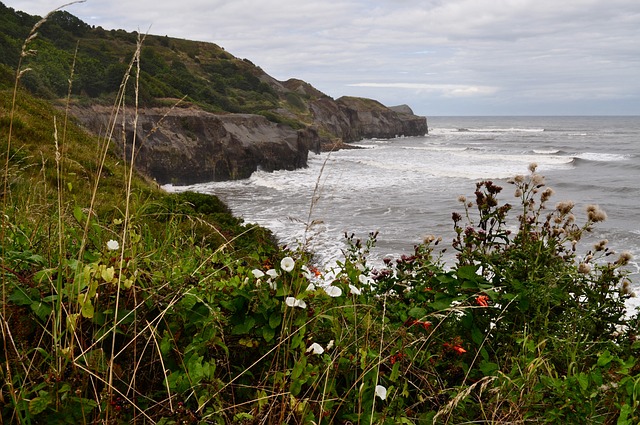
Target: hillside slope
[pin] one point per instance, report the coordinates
(202, 138)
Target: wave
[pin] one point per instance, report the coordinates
(546, 151)
(500, 130)
(602, 157)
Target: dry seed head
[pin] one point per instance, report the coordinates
(462, 199)
(518, 193)
(548, 192)
(532, 167)
(537, 180)
(584, 268)
(600, 246)
(624, 258)
(564, 207)
(596, 214)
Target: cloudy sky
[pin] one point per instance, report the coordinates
(441, 57)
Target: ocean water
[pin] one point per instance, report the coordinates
(407, 188)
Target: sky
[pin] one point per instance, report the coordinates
(440, 57)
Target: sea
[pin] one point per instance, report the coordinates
(406, 188)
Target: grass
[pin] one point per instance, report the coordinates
(123, 304)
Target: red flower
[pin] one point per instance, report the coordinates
(396, 357)
(459, 349)
(483, 301)
(412, 322)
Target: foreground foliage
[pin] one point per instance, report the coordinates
(122, 304)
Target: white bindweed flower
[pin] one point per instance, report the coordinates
(381, 392)
(257, 273)
(272, 273)
(333, 291)
(353, 290)
(273, 284)
(113, 245)
(287, 264)
(294, 302)
(365, 280)
(306, 272)
(311, 287)
(315, 348)
(330, 345)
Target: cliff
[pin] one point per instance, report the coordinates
(238, 118)
(188, 145)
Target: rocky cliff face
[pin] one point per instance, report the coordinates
(188, 145)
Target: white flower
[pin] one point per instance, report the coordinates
(353, 290)
(333, 291)
(365, 280)
(257, 273)
(306, 272)
(294, 302)
(113, 245)
(381, 392)
(330, 345)
(272, 273)
(311, 287)
(287, 264)
(315, 348)
(273, 285)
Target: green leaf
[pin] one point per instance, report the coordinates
(21, 297)
(42, 310)
(274, 320)
(244, 327)
(87, 309)
(268, 333)
(38, 405)
(418, 312)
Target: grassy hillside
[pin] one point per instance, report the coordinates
(171, 68)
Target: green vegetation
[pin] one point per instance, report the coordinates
(171, 68)
(123, 304)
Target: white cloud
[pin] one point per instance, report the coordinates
(441, 57)
(453, 90)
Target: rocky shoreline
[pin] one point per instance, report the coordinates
(187, 145)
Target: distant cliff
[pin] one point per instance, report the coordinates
(235, 118)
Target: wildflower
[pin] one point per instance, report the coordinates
(273, 284)
(294, 302)
(353, 290)
(306, 272)
(459, 349)
(564, 207)
(595, 214)
(113, 245)
(584, 268)
(257, 273)
(532, 167)
(273, 273)
(483, 301)
(381, 392)
(546, 194)
(333, 291)
(518, 193)
(413, 322)
(311, 287)
(624, 258)
(462, 199)
(330, 345)
(287, 264)
(600, 246)
(315, 348)
(396, 357)
(365, 280)
(537, 180)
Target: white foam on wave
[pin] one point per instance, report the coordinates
(546, 151)
(602, 157)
